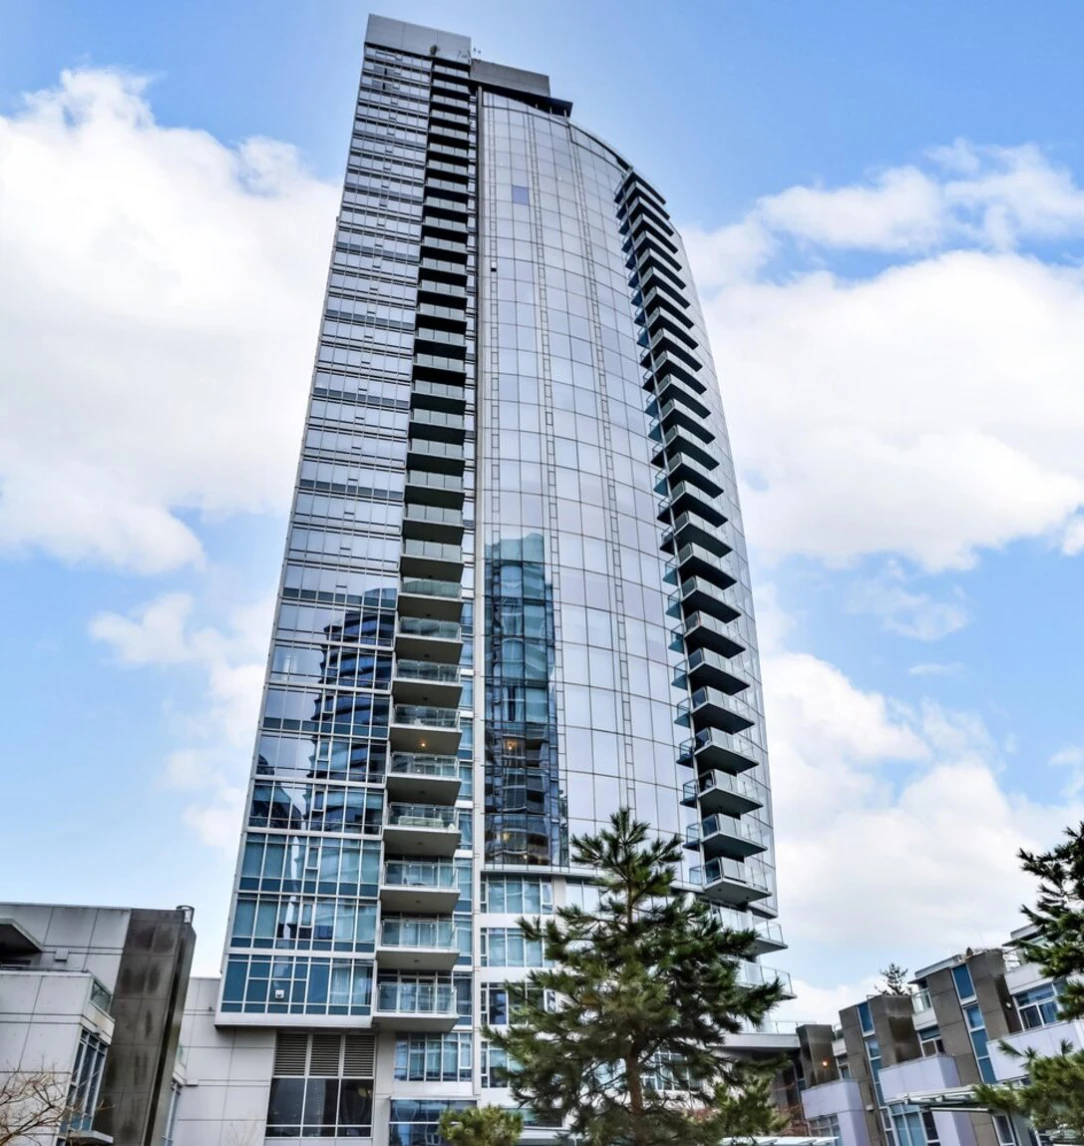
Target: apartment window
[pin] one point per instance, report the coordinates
(976, 1028)
(965, 988)
(929, 1039)
(494, 1062)
(500, 1000)
(1006, 1136)
(517, 896)
(322, 1086)
(929, 1124)
(1037, 1007)
(865, 1018)
(826, 1127)
(509, 947)
(413, 1121)
(86, 1083)
(873, 1053)
(434, 1058)
(170, 1131)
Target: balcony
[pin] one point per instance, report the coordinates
(728, 881)
(682, 468)
(417, 943)
(721, 835)
(768, 934)
(426, 684)
(692, 530)
(675, 349)
(438, 457)
(684, 499)
(651, 280)
(421, 829)
(710, 669)
(427, 487)
(421, 777)
(757, 975)
(667, 364)
(441, 314)
(676, 416)
(426, 638)
(429, 395)
(715, 791)
(712, 748)
(704, 632)
(698, 595)
(440, 560)
(445, 189)
(416, 1002)
(709, 708)
(646, 246)
(411, 885)
(424, 728)
(656, 300)
(430, 597)
(433, 523)
(1046, 1040)
(438, 425)
(442, 270)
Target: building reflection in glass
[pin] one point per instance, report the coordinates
(525, 820)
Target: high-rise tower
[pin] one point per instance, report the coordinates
(515, 596)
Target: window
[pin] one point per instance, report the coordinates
(1037, 1007)
(929, 1039)
(434, 1058)
(517, 896)
(976, 1028)
(86, 1082)
(171, 1115)
(1005, 1134)
(499, 1001)
(865, 1018)
(929, 1124)
(873, 1053)
(494, 1062)
(297, 986)
(413, 1122)
(520, 195)
(508, 947)
(965, 988)
(322, 1086)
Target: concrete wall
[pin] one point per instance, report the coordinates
(148, 1001)
(227, 1076)
(816, 1054)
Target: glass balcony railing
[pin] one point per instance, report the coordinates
(427, 670)
(416, 764)
(756, 975)
(415, 995)
(419, 816)
(427, 627)
(431, 874)
(723, 783)
(725, 870)
(718, 825)
(420, 931)
(426, 715)
(430, 587)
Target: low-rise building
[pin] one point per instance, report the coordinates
(90, 1003)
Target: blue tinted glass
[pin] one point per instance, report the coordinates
(520, 194)
(865, 1018)
(964, 987)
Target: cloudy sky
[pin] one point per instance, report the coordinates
(885, 205)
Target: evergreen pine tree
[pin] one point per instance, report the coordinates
(481, 1126)
(646, 988)
(895, 978)
(1052, 1096)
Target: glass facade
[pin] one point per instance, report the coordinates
(515, 595)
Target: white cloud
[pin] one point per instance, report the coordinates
(157, 325)
(815, 1004)
(213, 766)
(894, 825)
(928, 405)
(936, 668)
(904, 612)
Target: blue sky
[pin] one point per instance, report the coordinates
(883, 203)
